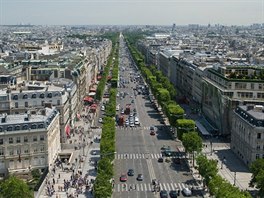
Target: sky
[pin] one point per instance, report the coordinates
(131, 12)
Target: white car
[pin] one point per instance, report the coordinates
(102, 108)
(187, 192)
(137, 122)
(132, 124)
(100, 120)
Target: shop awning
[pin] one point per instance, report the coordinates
(91, 93)
(93, 106)
(88, 99)
(92, 89)
(67, 130)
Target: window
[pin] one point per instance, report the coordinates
(1, 129)
(40, 126)
(25, 96)
(41, 95)
(9, 128)
(15, 97)
(42, 148)
(26, 104)
(25, 127)
(16, 104)
(25, 139)
(42, 103)
(35, 138)
(257, 156)
(2, 151)
(41, 138)
(11, 152)
(58, 102)
(10, 140)
(259, 136)
(18, 140)
(35, 150)
(33, 126)
(33, 96)
(17, 128)
(26, 150)
(1, 141)
(49, 95)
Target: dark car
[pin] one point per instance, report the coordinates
(163, 194)
(167, 153)
(140, 177)
(160, 159)
(173, 194)
(152, 133)
(130, 172)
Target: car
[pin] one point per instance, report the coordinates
(140, 177)
(122, 111)
(132, 101)
(187, 192)
(127, 123)
(167, 153)
(100, 120)
(152, 133)
(173, 194)
(130, 172)
(102, 108)
(163, 194)
(123, 177)
(132, 124)
(160, 159)
(93, 152)
(152, 128)
(137, 122)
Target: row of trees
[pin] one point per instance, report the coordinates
(160, 85)
(218, 187)
(103, 185)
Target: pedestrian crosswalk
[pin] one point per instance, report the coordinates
(123, 187)
(138, 156)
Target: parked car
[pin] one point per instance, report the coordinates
(160, 159)
(100, 120)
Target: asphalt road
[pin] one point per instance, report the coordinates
(137, 149)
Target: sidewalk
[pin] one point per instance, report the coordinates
(77, 173)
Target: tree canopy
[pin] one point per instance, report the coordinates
(257, 180)
(14, 187)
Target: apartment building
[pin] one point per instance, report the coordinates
(29, 140)
(247, 136)
(34, 95)
(225, 87)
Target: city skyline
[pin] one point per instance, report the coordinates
(116, 12)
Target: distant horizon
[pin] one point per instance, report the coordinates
(131, 12)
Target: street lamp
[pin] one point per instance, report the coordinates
(234, 178)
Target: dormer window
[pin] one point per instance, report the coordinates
(17, 128)
(25, 127)
(41, 95)
(25, 96)
(34, 96)
(41, 126)
(33, 126)
(15, 97)
(49, 95)
(9, 128)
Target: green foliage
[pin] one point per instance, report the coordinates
(192, 142)
(207, 168)
(183, 126)
(102, 186)
(257, 178)
(14, 187)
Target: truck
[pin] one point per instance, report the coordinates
(127, 110)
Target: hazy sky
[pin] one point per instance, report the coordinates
(131, 12)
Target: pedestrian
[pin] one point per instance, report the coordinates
(59, 175)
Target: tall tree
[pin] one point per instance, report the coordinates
(257, 178)
(192, 142)
(14, 187)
